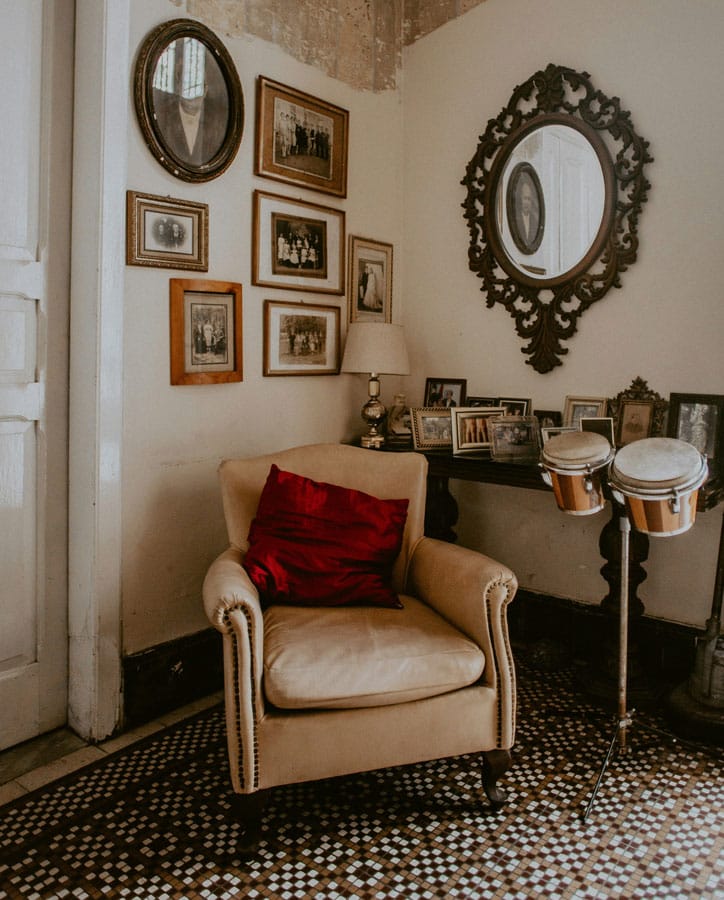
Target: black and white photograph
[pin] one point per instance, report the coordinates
(577, 408)
(301, 338)
(699, 420)
(300, 139)
(166, 233)
(446, 392)
(297, 245)
(370, 280)
(635, 421)
(526, 208)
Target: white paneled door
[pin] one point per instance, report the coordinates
(36, 66)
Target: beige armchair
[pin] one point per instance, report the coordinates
(357, 688)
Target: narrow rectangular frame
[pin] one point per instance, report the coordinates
(688, 422)
(366, 258)
(166, 233)
(469, 422)
(273, 214)
(431, 428)
(629, 428)
(577, 407)
(436, 388)
(274, 338)
(288, 151)
(196, 357)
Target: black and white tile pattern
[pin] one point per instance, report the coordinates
(157, 821)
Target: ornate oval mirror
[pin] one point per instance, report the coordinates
(188, 100)
(552, 211)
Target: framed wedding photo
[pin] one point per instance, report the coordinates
(301, 338)
(206, 335)
(166, 233)
(370, 280)
(297, 245)
(300, 139)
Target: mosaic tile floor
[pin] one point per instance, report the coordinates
(155, 821)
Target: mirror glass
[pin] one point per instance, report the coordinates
(550, 201)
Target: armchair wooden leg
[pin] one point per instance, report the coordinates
(251, 808)
(495, 764)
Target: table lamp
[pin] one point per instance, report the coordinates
(375, 348)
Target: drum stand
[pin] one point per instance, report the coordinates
(624, 719)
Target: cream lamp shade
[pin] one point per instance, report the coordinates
(373, 348)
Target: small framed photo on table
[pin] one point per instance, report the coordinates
(166, 233)
(206, 335)
(599, 425)
(577, 408)
(470, 428)
(445, 392)
(635, 420)
(515, 438)
(431, 428)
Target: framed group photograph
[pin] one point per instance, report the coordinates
(515, 439)
(301, 338)
(470, 432)
(297, 245)
(300, 139)
(699, 420)
(576, 408)
(370, 280)
(445, 392)
(166, 233)
(431, 428)
(206, 333)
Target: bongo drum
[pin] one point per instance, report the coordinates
(658, 480)
(572, 464)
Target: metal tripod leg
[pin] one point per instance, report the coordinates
(624, 716)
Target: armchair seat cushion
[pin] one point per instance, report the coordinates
(355, 656)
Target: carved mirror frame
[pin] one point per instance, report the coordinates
(546, 310)
(225, 115)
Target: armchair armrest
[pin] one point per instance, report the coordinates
(232, 605)
(472, 592)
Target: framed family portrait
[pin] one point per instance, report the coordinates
(300, 139)
(370, 280)
(699, 420)
(171, 234)
(470, 432)
(188, 100)
(301, 338)
(206, 334)
(431, 428)
(297, 245)
(576, 408)
(445, 392)
(515, 438)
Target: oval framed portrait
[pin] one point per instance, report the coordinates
(188, 100)
(526, 208)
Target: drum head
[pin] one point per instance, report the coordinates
(658, 463)
(576, 449)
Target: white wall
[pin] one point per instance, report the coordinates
(663, 59)
(174, 437)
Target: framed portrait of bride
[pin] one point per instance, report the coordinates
(370, 280)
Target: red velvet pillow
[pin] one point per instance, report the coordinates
(318, 544)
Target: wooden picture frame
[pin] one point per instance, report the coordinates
(301, 338)
(698, 419)
(470, 432)
(166, 233)
(576, 408)
(183, 68)
(300, 139)
(206, 331)
(445, 392)
(297, 245)
(370, 280)
(431, 428)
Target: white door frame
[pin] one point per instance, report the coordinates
(100, 138)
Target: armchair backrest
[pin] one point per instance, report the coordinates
(384, 475)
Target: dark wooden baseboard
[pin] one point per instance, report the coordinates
(170, 675)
